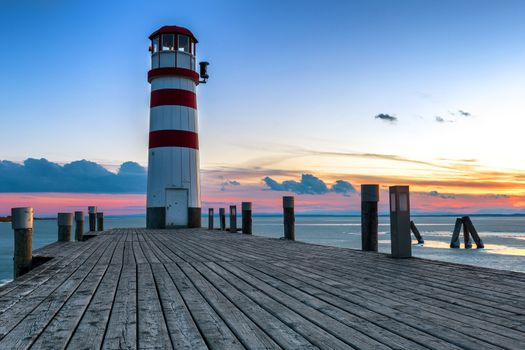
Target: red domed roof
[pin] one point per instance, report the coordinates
(173, 30)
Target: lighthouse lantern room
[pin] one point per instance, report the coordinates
(173, 198)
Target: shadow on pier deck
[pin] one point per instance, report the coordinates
(133, 288)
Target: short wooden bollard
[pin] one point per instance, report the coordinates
(210, 219)
(100, 221)
(233, 218)
(222, 218)
(247, 218)
(289, 218)
(92, 218)
(22, 224)
(79, 226)
(369, 217)
(65, 226)
(400, 237)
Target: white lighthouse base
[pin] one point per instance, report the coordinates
(156, 217)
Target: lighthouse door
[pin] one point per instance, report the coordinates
(176, 207)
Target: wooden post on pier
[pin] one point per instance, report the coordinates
(369, 217)
(79, 226)
(22, 224)
(222, 219)
(289, 218)
(210, 218)
(65, 226)
(100, 221)
(247, 218)
(233, 218)
(92, 218)
(400, 237)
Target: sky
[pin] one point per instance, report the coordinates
(307, 98)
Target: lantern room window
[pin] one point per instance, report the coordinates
(184, 43)
(155, 44)
(168, 42)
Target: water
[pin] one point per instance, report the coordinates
(504, 237)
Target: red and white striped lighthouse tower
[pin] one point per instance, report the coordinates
(173, 165)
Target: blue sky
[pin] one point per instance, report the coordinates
(294, 87)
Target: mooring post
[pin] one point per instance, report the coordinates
(289, 218)
(233, 218)
(369, 218)
(79, 226)
(65, 226)
(472, 230)
(100, 221)
(92, 218)
(247, 218)
(400, 237)
(210, 218)
(466, 235)
(22, 224)
(454, 242)
(416, 233)
(222, 218)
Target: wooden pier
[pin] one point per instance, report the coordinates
(197, 289)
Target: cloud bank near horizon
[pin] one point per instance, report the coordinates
(82, 176)
(309, 184)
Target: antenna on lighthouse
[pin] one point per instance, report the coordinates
(203, 71)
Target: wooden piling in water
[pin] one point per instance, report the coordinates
(233, 218)
(222, 219)
(247, 218)
(92, 218)
(79, 226)
(100, 221)
(369, 217)
(472, 230)
(416, 233)
(454, 242)
(466, 236)
(289, 218)
(22, 224)
(210, 218)
(65, 226)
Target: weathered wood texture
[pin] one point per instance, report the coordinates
(198, 289)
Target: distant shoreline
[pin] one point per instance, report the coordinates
(8, 219)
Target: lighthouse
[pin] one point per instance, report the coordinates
(173, 195)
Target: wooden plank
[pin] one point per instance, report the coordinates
(183, 331)
(215, 332)
(248, 333)
(33, 323)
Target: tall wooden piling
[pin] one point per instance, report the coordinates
(22, 224)
(369, 217)
(79, 226)
(247, 218)
(65, 226)
(222, 219)
(100, 221)
(466, 236)
(289, 218)
(92, 218)
(233, 218)
(400, 237)
(210, 219)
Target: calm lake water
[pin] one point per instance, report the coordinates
(504, 237)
